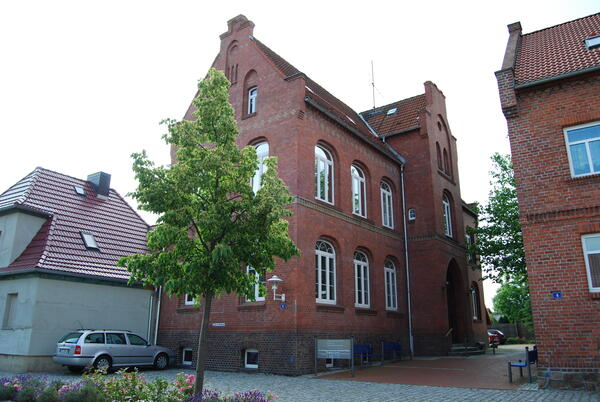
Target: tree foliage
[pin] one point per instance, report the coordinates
(211, 225)
(512, 301)
(499, 240)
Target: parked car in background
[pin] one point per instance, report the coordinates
(107, 348)
(496, 336)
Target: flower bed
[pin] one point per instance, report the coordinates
(127, 386)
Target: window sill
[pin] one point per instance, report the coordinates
(577, 179)
(330, 308)
(394, 314)
(187, 309)
(247, 116)
(252, 306)
(364, 311)
(446, 176)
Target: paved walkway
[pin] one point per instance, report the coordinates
(478, 371)
(308, 388)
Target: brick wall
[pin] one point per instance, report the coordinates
(556, 210)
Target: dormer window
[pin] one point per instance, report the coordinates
(593, 42)
(89, 240)
(252, 94)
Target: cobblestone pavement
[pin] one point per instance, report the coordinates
(307, 388)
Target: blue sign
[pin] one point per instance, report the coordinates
(283, 306)
(557, 295)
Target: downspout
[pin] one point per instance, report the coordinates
(406, 264)
(157, 314)
(150, 315)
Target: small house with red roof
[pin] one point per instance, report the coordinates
(376, 212)
(60, 240)
(549, 89)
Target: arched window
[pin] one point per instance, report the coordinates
(447, 163)
(359, 196)
(325, 273)
(323, 175)
(439, 155)
(387, 209)
(262, 152)
(391, 293)
(361, 279)
(447, 209)
(475, 305)
(259, 294)
(252, 96)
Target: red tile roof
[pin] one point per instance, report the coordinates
(342, 112)
(405, 116)
(557, 50)
(58, 246)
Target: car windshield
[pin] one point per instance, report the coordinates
(72, 337)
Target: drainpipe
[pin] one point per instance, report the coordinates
(151, 303)
(157, 314)
(408, 296)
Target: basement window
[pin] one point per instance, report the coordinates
(79, 190)
(593, 42)
(187, 357)
(251, 359)
(89, 240)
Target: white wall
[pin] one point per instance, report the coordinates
(18, 229)
(50, 308)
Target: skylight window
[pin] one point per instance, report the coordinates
(309, 89)
(79, 190)
(593, 42)
(392, 111)
(89, 240)
(353, 122)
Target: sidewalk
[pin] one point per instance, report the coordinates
(480, 371)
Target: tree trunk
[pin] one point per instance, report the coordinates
(202, 345)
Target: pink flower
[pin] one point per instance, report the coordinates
(7, 384)
(182, 389)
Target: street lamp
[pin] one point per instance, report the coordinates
(275, 280)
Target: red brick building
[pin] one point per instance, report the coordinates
(365, 186)
(550, 94)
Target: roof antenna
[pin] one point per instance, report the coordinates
(373, 83)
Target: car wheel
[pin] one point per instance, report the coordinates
(75, 369)
(103, 363)
(161, 362)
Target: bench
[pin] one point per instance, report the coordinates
(531, 357)
(391, 347)
(364, 352)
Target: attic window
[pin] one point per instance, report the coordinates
(89, 241)
(79, 190)
(392, 111)
(593, 42)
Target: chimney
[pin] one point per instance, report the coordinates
(100, 181)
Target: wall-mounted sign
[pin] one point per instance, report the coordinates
(218, 324)
(557, 295)
(283, 306)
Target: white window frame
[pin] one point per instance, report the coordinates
(249, 365)
(328, 269)
(189, 300)
(359, 193)
(187, 362)
(586, 253)
(391, 286)
(446, 205)
(252, 98)
(387, 205)
(362, 296)
(587, 142)
(324, 165)
(475, 306)
(257, 295)
(262, 152)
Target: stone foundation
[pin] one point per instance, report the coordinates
(287, 353)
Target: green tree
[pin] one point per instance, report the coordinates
(211, 225)
(512, 301)
(499, 240)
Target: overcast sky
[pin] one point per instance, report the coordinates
(83, 84)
